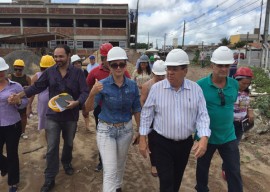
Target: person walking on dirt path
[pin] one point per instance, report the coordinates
(60, 78)
(10, 127)
(43, 97)
(99, 73)
(178, 108)
(220, 92)
(120, 101)
(25, 81)
(158, 73)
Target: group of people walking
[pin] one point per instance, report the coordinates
(167, 108)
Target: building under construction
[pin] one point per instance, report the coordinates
(36, 24)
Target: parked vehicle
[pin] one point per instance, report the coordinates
(242, 55)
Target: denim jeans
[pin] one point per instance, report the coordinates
(113, 144)
(53, 130)
(229, 153)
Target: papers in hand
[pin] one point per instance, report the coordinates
(61, 101)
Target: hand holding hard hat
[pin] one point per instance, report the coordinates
(62, 102)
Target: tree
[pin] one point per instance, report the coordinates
(225, 41)
(240, 44)
(140, 46)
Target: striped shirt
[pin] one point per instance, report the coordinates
(177, 113)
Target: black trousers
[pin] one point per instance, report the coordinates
(10, 135)
(171, 159)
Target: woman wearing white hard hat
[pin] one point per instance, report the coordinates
(10, 127)
(159, 72)
(120, 100)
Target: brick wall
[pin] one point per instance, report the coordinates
(63, 30)
(81, 11)
(34, 10)
(87, 31)
(114, 32)
(33, 30)
(10, 10)
(65, 11)
(10, 30)
(114, 11)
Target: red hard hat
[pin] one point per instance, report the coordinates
(105, 48)
(244, 71)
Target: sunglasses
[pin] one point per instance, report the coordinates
(17, 69)
(116, 65)
(222, 97)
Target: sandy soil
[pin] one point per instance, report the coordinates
(254, 149)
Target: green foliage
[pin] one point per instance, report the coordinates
(225, 41)
(239, 44)
(142, 46)
(195, 59)
(261, 84)
(261, 80)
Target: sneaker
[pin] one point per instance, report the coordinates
(13, 189)
(223, 175)
(24, 136)
(99, 167)
(47, 186)
(68, 169)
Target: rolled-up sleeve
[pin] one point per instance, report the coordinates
(84, 90)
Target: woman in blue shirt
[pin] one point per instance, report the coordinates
(120, 100)
(10, 127)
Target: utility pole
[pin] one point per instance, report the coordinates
(148, 41)
(265, 34)
(259, 34)
(137, 20)
(247, 43)
(164, 43)
(156, 45)
(183, 40)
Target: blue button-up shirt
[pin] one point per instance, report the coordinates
(72, 83)
(118, 103)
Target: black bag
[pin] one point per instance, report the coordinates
(246, 125)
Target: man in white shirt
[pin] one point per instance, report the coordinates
(178, 108)
(92, 63)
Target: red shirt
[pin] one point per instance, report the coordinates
(99, 73)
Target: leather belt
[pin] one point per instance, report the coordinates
(117, 125)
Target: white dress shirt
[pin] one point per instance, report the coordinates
(176, 114)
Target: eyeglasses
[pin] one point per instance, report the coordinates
(16, 69)
(222, 97)
(116, 65)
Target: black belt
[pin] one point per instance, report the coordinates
(117, 125)
(173, 140)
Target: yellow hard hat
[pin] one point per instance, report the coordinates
(52, 103)
(46, 61)
(18, 63)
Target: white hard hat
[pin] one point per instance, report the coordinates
(222, 55)
(156, 57)
(159, 68)
(3, 65)
(75, 58)
(177, 57)
(117, 53)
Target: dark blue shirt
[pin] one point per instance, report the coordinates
(72, 83)
(118, 103)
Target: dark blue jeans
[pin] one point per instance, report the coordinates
(53, 130)
(229, 153)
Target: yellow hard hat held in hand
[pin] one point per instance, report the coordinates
(58, 103)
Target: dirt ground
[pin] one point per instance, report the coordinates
(254, 149)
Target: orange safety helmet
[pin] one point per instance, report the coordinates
(105, 48)
(243, 72)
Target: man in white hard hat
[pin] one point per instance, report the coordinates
(178, 107)
(220, 92)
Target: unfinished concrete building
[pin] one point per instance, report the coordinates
(36, 24)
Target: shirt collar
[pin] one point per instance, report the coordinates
(111, 80)
(167, 85)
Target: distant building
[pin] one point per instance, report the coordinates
(36, 23)
(251, 38)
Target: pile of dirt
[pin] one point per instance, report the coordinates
(31, 60)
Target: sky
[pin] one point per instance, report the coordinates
(206, 21)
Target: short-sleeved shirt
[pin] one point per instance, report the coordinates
(118, 103)
(221, 117)
(91, 66)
